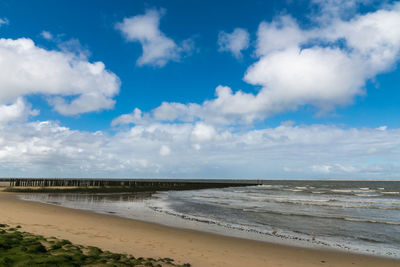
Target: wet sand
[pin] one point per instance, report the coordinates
(143, 239)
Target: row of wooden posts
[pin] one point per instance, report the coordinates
(46, 182)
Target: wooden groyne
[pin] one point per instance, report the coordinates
(92, 182)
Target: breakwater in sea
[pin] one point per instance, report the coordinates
(115, 182)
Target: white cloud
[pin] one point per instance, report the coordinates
(322, 77)
(157, 48)
(26, 149)
(203, 132)
(312, 69)
(234, 42)
(343, 168)
(280, 34)
(73, 84)
(325, 67)
(165, 150)
(17, 111)
(134, 117)
(226, 108)
(4, 21)
(69, 46)
(328, 10)
(47, 35)
(373, 37)
(321, 168)
(73, 46)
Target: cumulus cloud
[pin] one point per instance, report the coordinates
(17, 111)
(134, 117)
(227, 108)
(158, 49)
(72, 84)
(234, 42)
(313, 68)
(325, 67)
(199, 150)
(203, 132)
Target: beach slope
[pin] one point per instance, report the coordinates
(144, 239)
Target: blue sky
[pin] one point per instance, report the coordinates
(262, 89)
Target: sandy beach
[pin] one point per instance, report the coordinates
(152, 240)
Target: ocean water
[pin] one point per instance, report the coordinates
(356, 216)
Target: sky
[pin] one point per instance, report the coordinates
(200, 89)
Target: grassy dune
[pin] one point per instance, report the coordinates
(19, 248)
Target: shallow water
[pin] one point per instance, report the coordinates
(358, 216)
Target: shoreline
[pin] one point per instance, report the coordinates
(146, 239)
(202, 224)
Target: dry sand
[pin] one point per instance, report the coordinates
(144, 239)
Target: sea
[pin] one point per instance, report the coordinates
(356, 216)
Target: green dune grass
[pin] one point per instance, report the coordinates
(18, 248)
